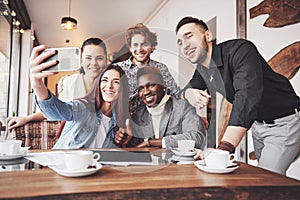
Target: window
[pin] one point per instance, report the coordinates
(4, 66)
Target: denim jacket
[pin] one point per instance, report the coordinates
(82, 123)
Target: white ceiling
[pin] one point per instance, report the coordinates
(106, 19)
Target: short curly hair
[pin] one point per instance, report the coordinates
(143, 30)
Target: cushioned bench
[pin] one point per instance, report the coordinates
(38, 135)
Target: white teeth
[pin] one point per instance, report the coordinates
(140, 54)
(149, 98)
(190, 52)
(94, 69)
(108, 92)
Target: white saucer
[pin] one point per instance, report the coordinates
(13, 156)
(180, 153)
(79, 173)
(183, 162)
(201, 165)
(13, 162)
(181, 158)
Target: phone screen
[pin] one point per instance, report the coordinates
(68, 57)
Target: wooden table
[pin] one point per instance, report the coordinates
(150, 182)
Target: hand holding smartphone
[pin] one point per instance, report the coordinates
(68, 59)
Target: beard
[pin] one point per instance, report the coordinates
(203, 51)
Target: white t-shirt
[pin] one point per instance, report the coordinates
(102, 132)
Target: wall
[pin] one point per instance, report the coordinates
(269, 41)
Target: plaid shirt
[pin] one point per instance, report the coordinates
(131, 72)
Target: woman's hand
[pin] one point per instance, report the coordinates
(14, 122)
(37, 66)
(123, 136)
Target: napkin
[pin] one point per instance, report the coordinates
(53, 158)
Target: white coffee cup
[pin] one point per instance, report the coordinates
(186, 145)
(217, 158)
(9, 147)
(80, 160)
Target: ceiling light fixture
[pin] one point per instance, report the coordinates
(69, 23)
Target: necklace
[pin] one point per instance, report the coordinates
(211, 73)
(211, 78)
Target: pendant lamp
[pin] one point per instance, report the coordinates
(69, 23)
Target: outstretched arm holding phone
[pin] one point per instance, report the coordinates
(93, 59)
(36, 66)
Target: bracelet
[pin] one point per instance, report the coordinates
(183, 94)
(146, 140)
(227, 146)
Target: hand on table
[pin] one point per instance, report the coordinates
(199, 155)
(142, 144)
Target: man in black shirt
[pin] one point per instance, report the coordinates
(261, 98)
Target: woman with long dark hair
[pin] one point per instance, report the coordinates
(93, 120)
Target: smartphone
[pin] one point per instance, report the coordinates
(68, 57)
(124, 156)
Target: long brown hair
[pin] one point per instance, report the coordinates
(120, 105)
